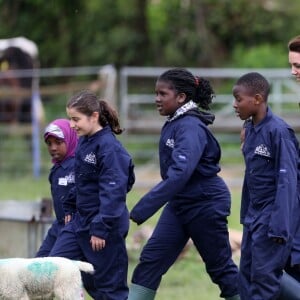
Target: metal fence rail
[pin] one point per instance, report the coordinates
(131, 91)
(137, 117)
(49, 87)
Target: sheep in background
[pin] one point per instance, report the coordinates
(42, 278)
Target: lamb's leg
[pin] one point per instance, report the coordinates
(71, 295)
(20, 293)
(70, 290)
(24, 297)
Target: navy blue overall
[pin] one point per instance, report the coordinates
(198, 203)
(270, 206)
(293, 266)
(103, 175)
(62, 180)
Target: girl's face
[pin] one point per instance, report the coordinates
(167, 99)
(83, 124)
(57, 148)
(294, 60)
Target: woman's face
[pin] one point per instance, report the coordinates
(167, 99)
(294, 60)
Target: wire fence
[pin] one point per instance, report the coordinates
(131, 91)
(26, 111)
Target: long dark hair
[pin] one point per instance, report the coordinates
(195, 88)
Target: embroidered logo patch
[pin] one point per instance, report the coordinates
(170, 143)
(70, 178)
(262, 150)
(90, 158)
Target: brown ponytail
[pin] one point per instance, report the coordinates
(107, 115)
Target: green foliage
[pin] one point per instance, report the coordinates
(151, 33)
(24, 188)
(262, 56)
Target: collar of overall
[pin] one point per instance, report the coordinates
(181, 110)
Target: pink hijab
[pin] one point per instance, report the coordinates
(60, 128)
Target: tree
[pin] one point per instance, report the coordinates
(148, 32)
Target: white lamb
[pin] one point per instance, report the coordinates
(42, 278)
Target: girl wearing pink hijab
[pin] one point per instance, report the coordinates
(61, 141)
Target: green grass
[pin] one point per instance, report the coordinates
(187, 278)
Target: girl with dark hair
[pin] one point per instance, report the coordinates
(96, 213)
(197, 199)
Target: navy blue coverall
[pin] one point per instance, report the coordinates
(62, 180)
(198, 203)
(103, 175)
(270, 206)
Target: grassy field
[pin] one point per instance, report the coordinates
(187, 279)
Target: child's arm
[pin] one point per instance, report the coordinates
(69, 204)
(286, 199)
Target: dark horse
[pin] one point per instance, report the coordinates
(15, 106)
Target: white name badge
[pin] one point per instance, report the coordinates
(62, 181)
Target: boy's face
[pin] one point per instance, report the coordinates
(244, 104)
(294, 60)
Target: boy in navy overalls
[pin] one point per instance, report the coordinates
(270, 206)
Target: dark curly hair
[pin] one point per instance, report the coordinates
(255, 83)
(195, 88)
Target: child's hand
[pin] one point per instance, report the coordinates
(97, 243)
(68, 218)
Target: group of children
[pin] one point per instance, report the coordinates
(89, 187)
